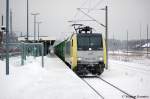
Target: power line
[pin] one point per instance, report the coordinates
(91, 8)
(80, 6)
(91, 18)
(98, 4)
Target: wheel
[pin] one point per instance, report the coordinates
(80, 71)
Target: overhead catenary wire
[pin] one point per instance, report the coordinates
(89, 9)
(91, 17)
(80, 6)
(97, 4)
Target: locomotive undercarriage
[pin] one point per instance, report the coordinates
(85, 69)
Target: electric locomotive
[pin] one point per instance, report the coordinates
(84, 51)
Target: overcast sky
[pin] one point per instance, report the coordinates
(123, 15)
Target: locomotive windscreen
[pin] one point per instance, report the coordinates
(86, 41)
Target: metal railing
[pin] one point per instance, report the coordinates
(23, 49)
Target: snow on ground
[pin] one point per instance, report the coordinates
(107, 91)
(146, 45)
(31, 81)
(131, 77)
(143, 61)
(57, 81)
(135, 57)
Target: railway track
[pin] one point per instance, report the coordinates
(101, 96)
(131, 96)
(121, 91)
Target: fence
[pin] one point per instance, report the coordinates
(24, 49)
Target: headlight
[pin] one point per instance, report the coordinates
(101, 58)
(79, 58)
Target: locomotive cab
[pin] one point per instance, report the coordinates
(90, 58)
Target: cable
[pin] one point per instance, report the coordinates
(89, 9)
(91, 18)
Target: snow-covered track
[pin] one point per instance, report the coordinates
(93, 89)
(131, 96)
(99, 90)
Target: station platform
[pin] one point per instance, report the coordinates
(31, 81)
(63, 83)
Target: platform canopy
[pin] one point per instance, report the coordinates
(43, 38)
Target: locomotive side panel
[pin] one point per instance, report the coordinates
(73, 51)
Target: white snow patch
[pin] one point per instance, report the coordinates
(131, 77)
(146, 45)
(31, 81)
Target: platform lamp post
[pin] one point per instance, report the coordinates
(35, 14)
(38, 23)
(27, 20)
(7, 37)
(34, 48)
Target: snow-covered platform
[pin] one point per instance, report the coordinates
(31, 81)
(57, 81)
